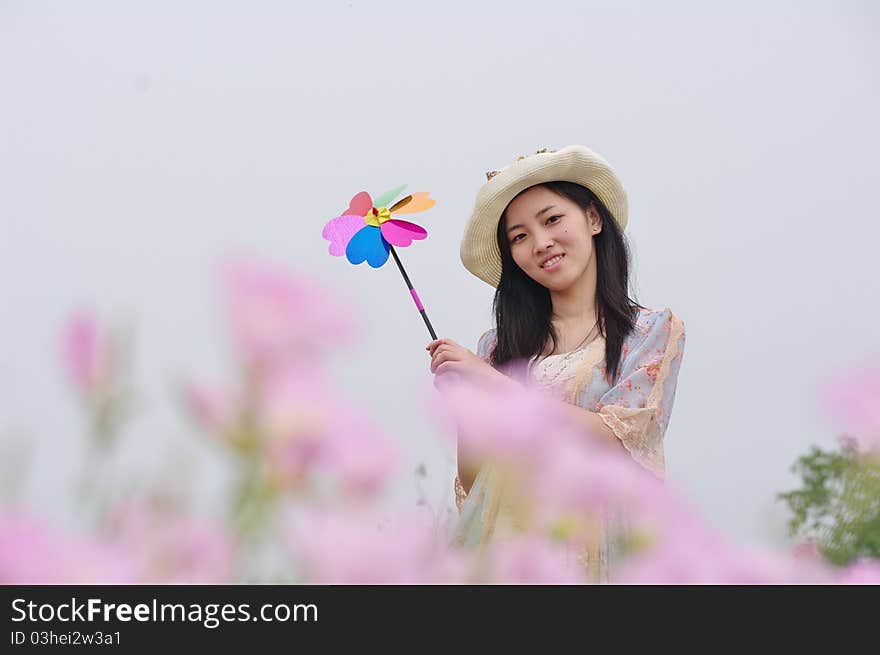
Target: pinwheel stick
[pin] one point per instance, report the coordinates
(412, 292)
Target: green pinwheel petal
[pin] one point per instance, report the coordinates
(385, 199)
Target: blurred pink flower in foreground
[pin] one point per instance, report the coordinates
(342, 546)
(213, 407)
(306, 427)
(168, 547)
(860, 572)
(852, 398)
(530, 559)
(560, 470)
(806, 551)
(566, 484)
(360, 458)
(275, 315)
(32, 552)
(688, 553)
(578, 476)
(516, 425)
(684, 549)
(88, 353)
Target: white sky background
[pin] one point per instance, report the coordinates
(141, 143)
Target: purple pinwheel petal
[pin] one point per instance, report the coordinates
(402, 233)
(339, 231)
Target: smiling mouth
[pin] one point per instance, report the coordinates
(550, 263)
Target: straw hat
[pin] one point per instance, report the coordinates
(479, 247)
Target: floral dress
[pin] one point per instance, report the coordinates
(636, 409)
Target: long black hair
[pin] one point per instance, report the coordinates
(522, 306)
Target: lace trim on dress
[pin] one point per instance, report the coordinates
(583, 376)
(460, 493)
(638, 428)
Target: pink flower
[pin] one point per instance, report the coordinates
(512, 426)
(276, 316)
(861, 572)
(295, 416)
(852, 397)
(213, 408)
(557, 469)
(361, 458)
(32, 552)
(530, 559)
(339, 546)
(290, 403)
(308, 429)
(652, 370)
(807, 551)
(168, 546)
(88, 355)
(687, 551)
(576, 476)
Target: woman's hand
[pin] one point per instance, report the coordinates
(452, 362)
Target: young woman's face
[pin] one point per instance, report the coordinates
(551, 237)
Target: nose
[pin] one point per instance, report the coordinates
(543, 242)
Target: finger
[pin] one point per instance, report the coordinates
(441, 343)
(443, 355)
(435, 344)
(438, 359)
(453, 349)
(435, 357)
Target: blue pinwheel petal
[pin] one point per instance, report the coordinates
(367, 245)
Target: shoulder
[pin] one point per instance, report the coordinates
(654, 322)
(649, 318)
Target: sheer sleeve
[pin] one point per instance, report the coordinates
(484, 348)
(637, 408)
(485, 344)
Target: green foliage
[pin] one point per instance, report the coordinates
(838, 505)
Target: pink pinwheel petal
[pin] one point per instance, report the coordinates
(340, 230)
(402, 233)
(359, 205)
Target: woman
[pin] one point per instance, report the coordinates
(547, 233)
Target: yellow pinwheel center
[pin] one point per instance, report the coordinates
(376, 217)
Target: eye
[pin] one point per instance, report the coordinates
(516, 238)
(554, 219)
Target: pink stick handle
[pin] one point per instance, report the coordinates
(415, 297)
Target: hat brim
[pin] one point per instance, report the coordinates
(578, 164)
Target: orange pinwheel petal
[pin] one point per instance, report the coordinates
(419, 203)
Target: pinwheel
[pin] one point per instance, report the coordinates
(368, 232)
